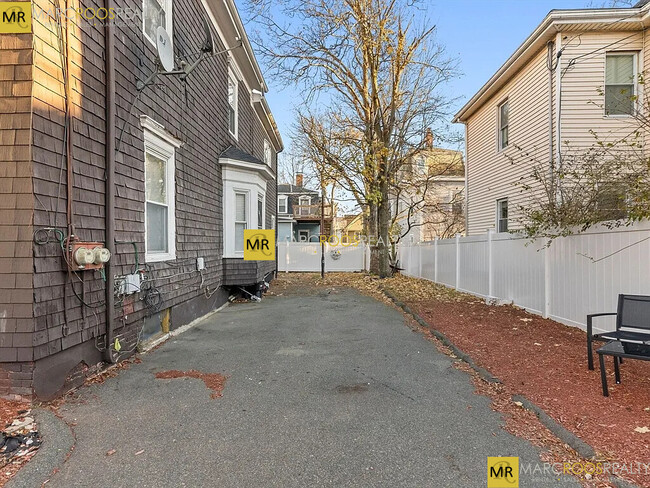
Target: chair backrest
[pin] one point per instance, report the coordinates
(633, 312)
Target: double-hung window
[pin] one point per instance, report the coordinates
(160, 193)
(504, 116)
(620, 73)
(282, 204)
(260, 212)
(305, 203)
(502, 215)
(232, 103)
(241, 219)
(156, 13)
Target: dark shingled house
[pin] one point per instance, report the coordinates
(98, 156)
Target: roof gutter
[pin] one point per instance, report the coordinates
(544, 32)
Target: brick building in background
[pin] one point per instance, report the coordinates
(171, 173)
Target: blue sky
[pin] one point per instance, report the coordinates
(482, 34)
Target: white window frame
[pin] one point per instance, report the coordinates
(268, 155)
(283, 199)
(235, 80)
(501, 201)
(162, 149)
(260, 199)
(247, 195)
(300, 204)
(500, 146)
(239, 177)
(169, 24)
(635, 85)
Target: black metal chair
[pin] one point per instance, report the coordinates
(632, 324)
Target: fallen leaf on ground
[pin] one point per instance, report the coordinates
(111, 452)
(642, 430)
(139, 452)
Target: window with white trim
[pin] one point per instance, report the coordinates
(502, 215)
(504, 121)
(233, 111)
(620, 76)
(268, 156)
(160, 194)
(156, 13)
(241, 219)
(260, 212)
(282, 204)
(304, 203)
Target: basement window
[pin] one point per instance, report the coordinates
(620, 74)
(160, 195)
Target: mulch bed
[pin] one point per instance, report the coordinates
(540, 359)
(546, 362)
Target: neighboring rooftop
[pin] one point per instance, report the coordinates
(575, 20)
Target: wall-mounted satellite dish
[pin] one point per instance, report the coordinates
(165, 51)
(208, 44)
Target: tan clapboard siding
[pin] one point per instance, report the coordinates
(582, 86)
(493, 174)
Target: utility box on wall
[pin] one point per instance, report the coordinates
(87, 255)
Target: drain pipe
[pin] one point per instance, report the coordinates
(109, 38)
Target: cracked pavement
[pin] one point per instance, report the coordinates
(322, 390)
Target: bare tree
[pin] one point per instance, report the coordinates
(607, 183)
(375, 68)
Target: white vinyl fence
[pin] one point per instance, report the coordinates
(306, 256)
(576, 276)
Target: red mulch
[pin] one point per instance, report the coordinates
(213, 381)
(546, 361)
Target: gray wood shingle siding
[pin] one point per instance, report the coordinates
(195, 112)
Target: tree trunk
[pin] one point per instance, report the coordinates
(383, 225)
(371, 236)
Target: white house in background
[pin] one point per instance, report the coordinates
(577, 72)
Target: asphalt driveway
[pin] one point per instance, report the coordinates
(323, 390)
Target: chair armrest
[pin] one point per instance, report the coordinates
(600, 314)
(590, 318)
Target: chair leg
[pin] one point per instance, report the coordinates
(603, 375)
(590, 354)
(617, 371)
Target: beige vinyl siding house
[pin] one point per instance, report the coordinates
(554, 107)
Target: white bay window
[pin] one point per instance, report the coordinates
(244, 189)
